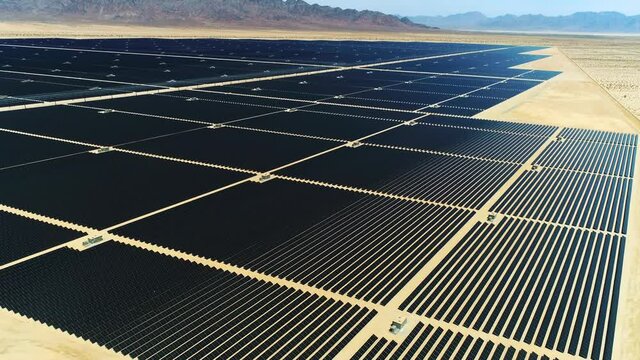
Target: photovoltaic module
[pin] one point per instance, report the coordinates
(248, 199)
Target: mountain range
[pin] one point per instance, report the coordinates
(260, 13)
(591, 22)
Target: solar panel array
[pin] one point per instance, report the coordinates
(243, 199)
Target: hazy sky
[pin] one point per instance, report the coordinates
(489, 7)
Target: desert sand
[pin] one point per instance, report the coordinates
(24, 339)
(598, 89)
(571, 99)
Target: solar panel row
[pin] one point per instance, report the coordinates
(22, 237)
(90, 126)
(153, 71)
(21, 89)
(357, 222)
(495, 63)
(489, 125)
(18, 150)
(546, 285)
(471, 143)
(444, 179)
(594, 157)
(572, 198)
(101, 190)
(320, 52)
(429, 342)
(368, 250)
(151, 306)
(150, 71)
(600, 136)
(332, 239)
(307, 122)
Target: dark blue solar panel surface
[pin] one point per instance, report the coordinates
(100, 190)
(245, 149)
(263, 206)
(20, 236)
(147, 305)
(203, 109)
(316, 52)
(358, 220)
(17, 149)
(90, 125)
(310, 123)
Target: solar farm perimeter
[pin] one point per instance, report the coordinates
(238, 199)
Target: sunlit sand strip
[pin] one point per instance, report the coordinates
(186, 161)
(368, 107)
(402, 148)
(611, 97)
(368, 192)
(46, 219)
(49, 138)
(141, 114)
(285, 133)
(483, 129)
(51, 221)
(24, 338)
(239, 94)
(351, 115)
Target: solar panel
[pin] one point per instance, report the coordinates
(244, 199)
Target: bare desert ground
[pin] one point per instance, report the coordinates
(599, 89)
(24, 339)
(571, 99)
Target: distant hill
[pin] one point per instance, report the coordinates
(593, 22)
(281, 13)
